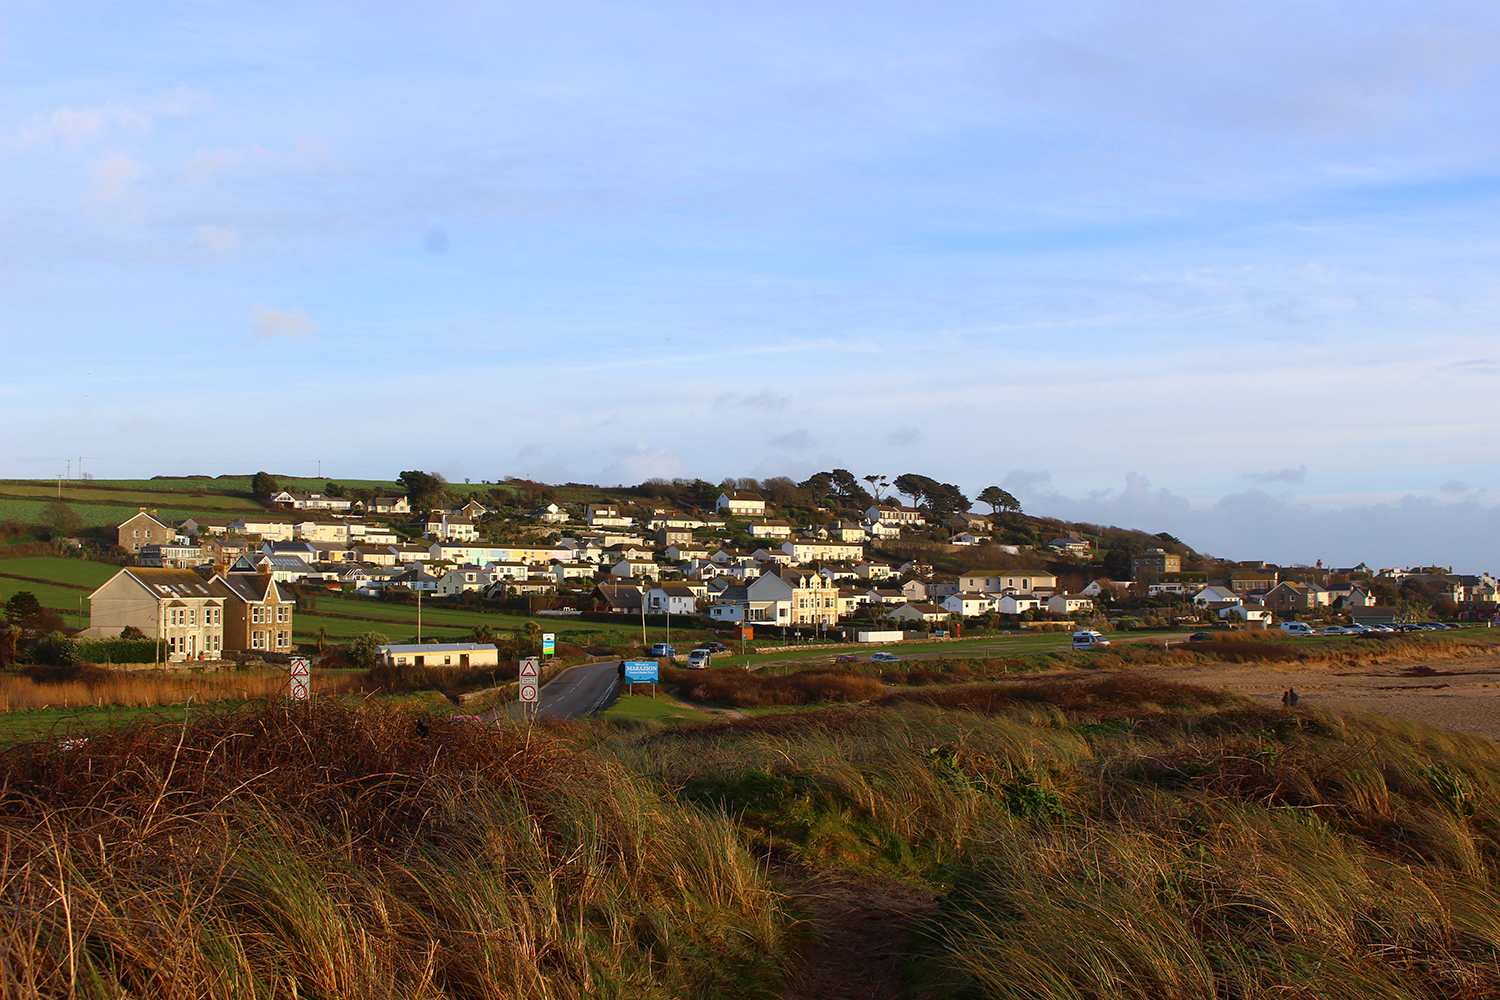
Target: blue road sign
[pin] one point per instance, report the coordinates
(640, 672)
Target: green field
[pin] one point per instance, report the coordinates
(374, 615)
(79, 572)
(662, 708)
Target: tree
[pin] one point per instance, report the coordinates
(264, 485)
(363, 651)
(423, 489)
(847, 489)
(60, 520)
(877, 483)
(23, 609)
(1117, 560)
(914, 486)
(999, 500)
(333, 489)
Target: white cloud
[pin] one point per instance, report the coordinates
(271, 323)
(640, 462)
(113, 184)
(216, 239)
(67, 127)
(305, 157)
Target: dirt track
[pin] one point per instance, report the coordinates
(1451, 693)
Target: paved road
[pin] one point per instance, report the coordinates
(577, 691)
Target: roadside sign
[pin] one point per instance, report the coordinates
(549, 644)
(301, 678)
(640, 672)
(529, 673)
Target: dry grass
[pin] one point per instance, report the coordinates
(740, 688)
(1118, 836)
(77, 687)
(332, 853)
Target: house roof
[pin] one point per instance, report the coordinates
(162, 582)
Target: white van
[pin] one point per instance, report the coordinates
(1297, 628)
(699, 659)
(1089, 639)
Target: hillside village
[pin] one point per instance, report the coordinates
(800, 559)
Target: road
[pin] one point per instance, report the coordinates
(576, 692)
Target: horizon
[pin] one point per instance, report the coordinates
(1226, 273)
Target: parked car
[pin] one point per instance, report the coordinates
(700, 659)
(716, 647)
(662, 649)
(1334, 630)
(847, 658)
(1200, 637)
(883, 657)
(1296, 628)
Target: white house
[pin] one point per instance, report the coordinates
(672, 599)
(549, 513)
(770, 529)
(463, 579)
(991, 581)
(805, 550)
(895, 514)
(1067, 604)
(766, 600)
(1015, 604)
(1217, 597)
(918, 613)
(636, 569)
(967, 605)
(605, 515)
(440, 654)
(740, 504)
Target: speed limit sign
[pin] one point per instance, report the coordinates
(301, 674)
(529, 677)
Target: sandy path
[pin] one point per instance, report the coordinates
(1457, 693)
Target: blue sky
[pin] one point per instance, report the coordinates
(1223, 270)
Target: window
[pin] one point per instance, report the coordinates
(136, 533)
(193, 616)
(172, 644)
(281, 640)
(257, 640)
(283, 613)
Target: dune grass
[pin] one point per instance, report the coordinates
(1124, 837)
(333, 853)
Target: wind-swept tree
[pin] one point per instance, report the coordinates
(999, 500)
(424, 490)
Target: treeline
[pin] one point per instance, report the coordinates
(836, 488)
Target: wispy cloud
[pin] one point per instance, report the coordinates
(1297, 475)
(796, 440)
(271, 324)
(216, 239)
(764, 400)
(72, 128)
